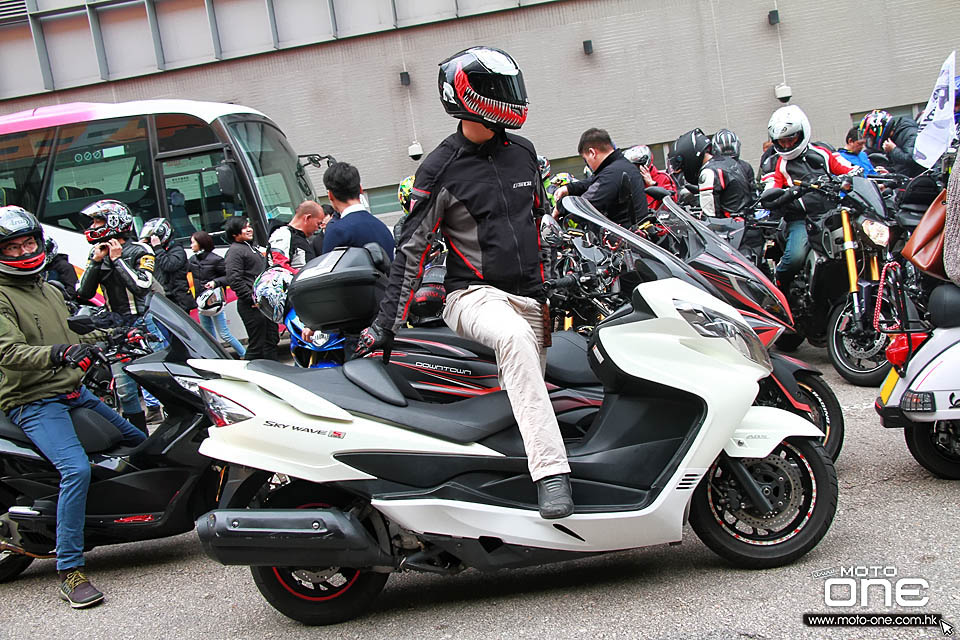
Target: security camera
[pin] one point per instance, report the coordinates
(783, 92)
(415, 151)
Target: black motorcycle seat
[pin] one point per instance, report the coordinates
(95, 432)
(944, 306)
(463, 421)
(909, 216)
(442, 341)
(567, 364)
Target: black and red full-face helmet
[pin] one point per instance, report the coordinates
(17, 222)
(485, 85)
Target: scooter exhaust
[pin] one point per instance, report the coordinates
(289, 538)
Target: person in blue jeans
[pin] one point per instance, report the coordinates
(209, 272)
(42, 362)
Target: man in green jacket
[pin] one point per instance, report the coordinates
(42, 363)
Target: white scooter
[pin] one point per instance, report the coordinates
(339, 477)
(921, 394)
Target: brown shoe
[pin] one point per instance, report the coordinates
(76, 589)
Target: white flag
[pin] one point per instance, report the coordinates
(936, 121)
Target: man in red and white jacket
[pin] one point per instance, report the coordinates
(797, 159)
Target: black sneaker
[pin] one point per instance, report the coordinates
(555, 497)
(77, 590)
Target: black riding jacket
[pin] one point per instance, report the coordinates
(485, 202)
(903, 133)
(604, 190)
(125, 282)
(724, 190)
(171, 272)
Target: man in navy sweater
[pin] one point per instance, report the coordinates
(356, 226)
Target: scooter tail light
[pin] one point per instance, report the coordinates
(223, 411)
(900, 348)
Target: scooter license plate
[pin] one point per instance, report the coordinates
(888, 384)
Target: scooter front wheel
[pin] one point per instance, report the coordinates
(800, 482)
(936, 446)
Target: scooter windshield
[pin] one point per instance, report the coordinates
(185, 336)
(659, 262)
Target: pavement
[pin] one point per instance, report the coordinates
(892, 515)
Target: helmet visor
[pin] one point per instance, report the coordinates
(787, 142)
(496, 86)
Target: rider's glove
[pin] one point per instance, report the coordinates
(134, 336)
(82, 356)
(375, 338)
(429, 299)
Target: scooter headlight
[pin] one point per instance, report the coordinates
(877, 232)
(713, 324)
(222, 410)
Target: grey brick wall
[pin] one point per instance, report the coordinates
(659, 67)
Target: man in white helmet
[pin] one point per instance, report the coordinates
(796, 159)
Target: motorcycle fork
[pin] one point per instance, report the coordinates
(850, 257)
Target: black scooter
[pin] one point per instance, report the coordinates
(154, 490)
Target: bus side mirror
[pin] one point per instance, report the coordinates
(226, 179)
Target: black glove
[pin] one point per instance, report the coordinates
(429, 299)
(375, 338)
(82, 356)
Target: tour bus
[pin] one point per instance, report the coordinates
(194, 163)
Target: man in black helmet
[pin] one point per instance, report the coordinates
(723, 189)
(480, 189)
(42, 362)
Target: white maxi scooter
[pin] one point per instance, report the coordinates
(338, 477)
(921, 394)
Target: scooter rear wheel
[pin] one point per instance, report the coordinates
(798, 478)
(935, 445)
(315, 595)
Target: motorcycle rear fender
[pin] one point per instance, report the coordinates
(763, 428)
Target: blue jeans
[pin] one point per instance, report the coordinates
(222, 331)
(47, 423)
(794, 252)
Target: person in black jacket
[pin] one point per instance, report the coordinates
(208, 272)
(60, 270)
(894, 136)
(171, 262)
(616, 187)
(480, 189)
(243, 263)
(724, 190)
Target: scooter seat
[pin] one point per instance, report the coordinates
(567, 364)
(442, 341)
(944, 306)
(95, 432)
(464, 421)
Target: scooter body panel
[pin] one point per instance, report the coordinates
(934, 368)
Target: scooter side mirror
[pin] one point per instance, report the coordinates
(657, 193)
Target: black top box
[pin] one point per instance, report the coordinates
(338, 291)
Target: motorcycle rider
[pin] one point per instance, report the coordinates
(480, 189)
(605, 188)
(290, 245)
(724, 191)
(797, 159)
(123, 269)
(171, 262)
(43, 362)
(727, 143)
(895, 136)
(642, 159)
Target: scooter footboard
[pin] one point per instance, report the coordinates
(763, 428)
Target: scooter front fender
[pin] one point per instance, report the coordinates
(763, 428)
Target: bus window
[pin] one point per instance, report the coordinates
(274, 167)
(193, 196)
(23, 159)
(107, 159)
(180, 131)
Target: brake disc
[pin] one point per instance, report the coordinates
(780, 482)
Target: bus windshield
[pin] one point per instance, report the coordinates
(280, 182)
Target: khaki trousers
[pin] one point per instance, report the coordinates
(513, 327)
